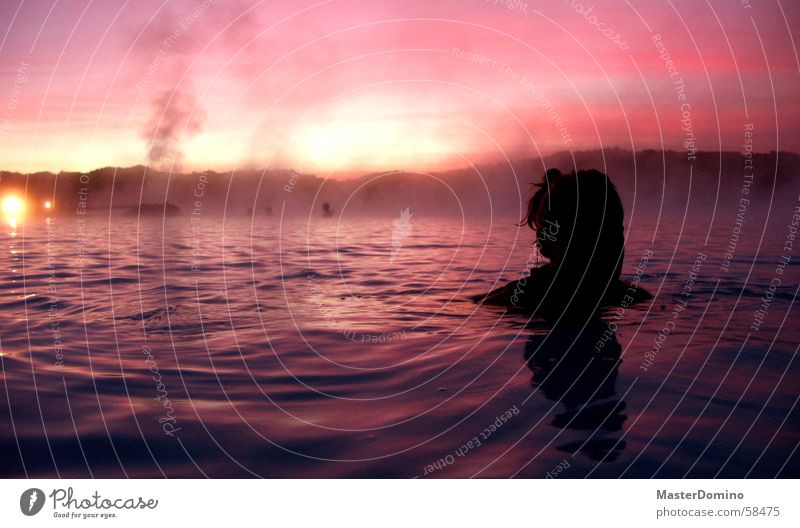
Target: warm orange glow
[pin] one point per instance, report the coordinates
(12, 205)
(12, 208)
(360, 142)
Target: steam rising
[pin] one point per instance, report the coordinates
(176, 117)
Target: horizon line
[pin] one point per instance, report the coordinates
(365, 172)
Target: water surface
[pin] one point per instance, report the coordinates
(239, 348)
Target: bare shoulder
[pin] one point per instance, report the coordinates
(518, 293)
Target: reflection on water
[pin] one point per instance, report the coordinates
(578, 369)
(261, 347)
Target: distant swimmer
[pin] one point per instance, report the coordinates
(269, 210)
(327, 212)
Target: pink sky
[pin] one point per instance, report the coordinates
(345, 85)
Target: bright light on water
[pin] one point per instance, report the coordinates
(13, 208)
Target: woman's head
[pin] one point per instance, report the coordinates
(578, 221)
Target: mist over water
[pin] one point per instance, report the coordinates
(205, 342)
(651, 184)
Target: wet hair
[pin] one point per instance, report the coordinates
(588, 211)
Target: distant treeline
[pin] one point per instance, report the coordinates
(650, 179)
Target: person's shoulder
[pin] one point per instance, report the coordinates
(521, 293)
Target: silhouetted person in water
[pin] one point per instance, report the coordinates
(578, 222)
(327, 212)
